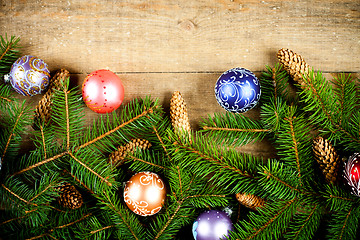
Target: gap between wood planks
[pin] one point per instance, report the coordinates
(210, 72)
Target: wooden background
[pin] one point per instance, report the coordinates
(159, 46)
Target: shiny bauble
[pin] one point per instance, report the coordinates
(145, 193)
(352, 173)
(29, 75)
(237, 90)
(212, 225)
(103, 91)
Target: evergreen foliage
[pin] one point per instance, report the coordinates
(202, 170)
(9, 52)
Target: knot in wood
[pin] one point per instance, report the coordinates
(187, 25)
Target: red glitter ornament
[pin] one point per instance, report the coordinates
(352, 173)
(103, 91)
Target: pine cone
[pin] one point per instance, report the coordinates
(250, 201)
(43, 109)
(178, 114)
(327, 158)
(294, 64)
(69, 197)
(117, 158)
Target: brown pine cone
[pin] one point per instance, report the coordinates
(69, 197)
(117, 158)
(43, 109)
(327, 158)
(178, 114)
(294, 64)
(250, 201)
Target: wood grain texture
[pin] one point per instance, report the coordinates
(185, 36)
(159, 46)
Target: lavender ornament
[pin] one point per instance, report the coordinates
(212, 225)
(29, 75)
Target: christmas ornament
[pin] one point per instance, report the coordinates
(117, 158)
(178, 113)
(237, 90)
(327, 158)
(43, 109)
(145, 193)
(69, 197)
(250, 201)
(29, 75)
(103, 91)
(294, 64)
(352, 173)
(212, 225)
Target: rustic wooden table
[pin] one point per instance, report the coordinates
(157, 47)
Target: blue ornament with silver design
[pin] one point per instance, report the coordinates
(237, 90)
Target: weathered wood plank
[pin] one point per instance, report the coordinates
(185, 36)
(158, 47)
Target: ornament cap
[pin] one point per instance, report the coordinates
(7, 77)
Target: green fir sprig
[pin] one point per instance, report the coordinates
(9, 52)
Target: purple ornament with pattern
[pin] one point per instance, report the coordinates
(29, 75)
(237, 90)
(212, 225)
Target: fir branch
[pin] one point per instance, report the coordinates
(233, 129)
(39, 236)
(43, 193)
(67, 115)
(161, 140)
(274, 84)
(43, 140)
(18, 218)
(304, 225)
(225, 167)
(17, 119)
(293, 142)
(60, 155)
(344, 224)
(67, 225)
(11, 134)
(295, 146)
(128, 225)
(147, 160)
(5, 96)
(136, 118)
(169, 220)
(102, 229)
(90, 169)
(71, 223)
(336, 198)
(187, 193)
(80, 182)
(320, 102)
(133, 158)
(348, 104)
(278, 181)
(67, 120)
(273, 220)
(17, 196)
(9, 52)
